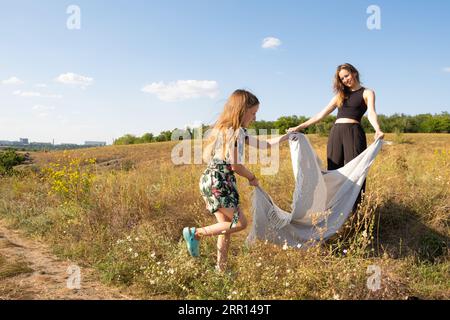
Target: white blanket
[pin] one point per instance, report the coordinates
(322, 200)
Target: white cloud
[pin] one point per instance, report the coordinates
(40, 85)
(271, 43)
(447, 69)
(40, 107)
(183, 90)
(12, 81)
(42, 115)
(75, 79)
(26, 94)
(36, 94)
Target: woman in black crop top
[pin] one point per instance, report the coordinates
(347, 138)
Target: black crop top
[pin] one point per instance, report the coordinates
(354, 106)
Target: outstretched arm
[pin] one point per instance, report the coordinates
(266, 144)
(318, 117)
(373, 118)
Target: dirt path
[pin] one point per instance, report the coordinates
(28, 270)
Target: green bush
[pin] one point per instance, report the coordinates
(9, 159)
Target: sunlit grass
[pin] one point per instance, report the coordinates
(128, 225)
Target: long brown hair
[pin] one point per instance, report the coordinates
(339, 88)
(230, 120)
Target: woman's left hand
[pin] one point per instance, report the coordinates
(254, 182)
(379, 135)
(293, 129)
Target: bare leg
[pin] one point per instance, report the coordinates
(223, 227)
(223, 243)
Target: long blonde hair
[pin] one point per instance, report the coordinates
(339, 88)
(230, 120)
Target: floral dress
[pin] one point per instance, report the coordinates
(218, 182)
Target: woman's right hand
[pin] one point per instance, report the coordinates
(379, 135)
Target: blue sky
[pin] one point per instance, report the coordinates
(89, 83)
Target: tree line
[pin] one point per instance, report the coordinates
(396, 123)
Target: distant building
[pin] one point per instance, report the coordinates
(95, 143)
(6, 143)
(41, 144)
(21, 142)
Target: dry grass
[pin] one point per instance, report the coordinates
(10, 269)
(130, 223)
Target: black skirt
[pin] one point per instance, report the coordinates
(346, 142)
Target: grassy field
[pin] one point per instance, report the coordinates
(123, 213)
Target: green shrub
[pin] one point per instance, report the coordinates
(9, 159)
